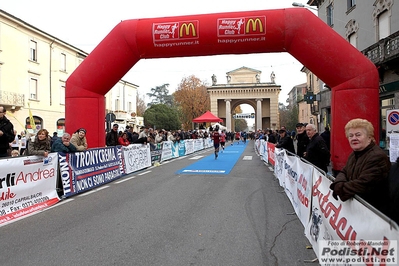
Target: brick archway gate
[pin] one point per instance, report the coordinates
(244, 86)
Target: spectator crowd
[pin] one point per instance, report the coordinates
(368, 172)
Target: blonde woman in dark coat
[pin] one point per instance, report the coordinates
(366, 171)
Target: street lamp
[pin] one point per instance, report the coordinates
(298, 4)
(302, 5)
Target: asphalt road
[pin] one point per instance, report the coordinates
(157, 217)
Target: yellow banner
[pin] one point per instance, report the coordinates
(31, 120)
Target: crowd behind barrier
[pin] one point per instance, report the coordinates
(29, 184)
(323, 217)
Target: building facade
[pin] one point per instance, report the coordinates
(34, 67)
(244, 86)
(318, 111)
(372, 26)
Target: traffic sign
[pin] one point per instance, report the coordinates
(392, 120)
(110, 117)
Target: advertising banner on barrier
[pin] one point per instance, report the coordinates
(270, 153)
(365, 243)
(156, 152)
(279, 169)
(295, 177)
(181, 147)
(27, 185)
(208, 142)
(304, 191)
(83, 171)
(198, 144)
(263, 150)
(290, 176)
(189, 146)
(257, 145)
(166, 150)
(136, 157)
(175, 149)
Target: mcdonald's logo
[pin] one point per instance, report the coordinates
(188, 29)
(174, 30)
(254, 23)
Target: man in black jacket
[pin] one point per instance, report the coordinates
(112, 137)
(326, 136)
(271, 137)
(6, 132)
(317, 152)
(302, 139)
(285, 141)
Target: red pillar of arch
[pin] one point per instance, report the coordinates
(351, 76)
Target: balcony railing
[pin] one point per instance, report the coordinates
(314, 108)
(392, 47)
(384, 50)
(121, 115)
(12, 98)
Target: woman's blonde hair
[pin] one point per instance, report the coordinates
(360, 123)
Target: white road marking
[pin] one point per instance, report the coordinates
(124, 179)
(247, 158)
(196, 157)
(145, 173)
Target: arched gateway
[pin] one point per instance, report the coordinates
(244, 86)
(353, 78)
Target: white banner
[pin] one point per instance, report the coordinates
(263, 150)
(198, 144)
(136, 157)
(304, 190)
(27, 185)
(166, 151)
(290, 176)
(189, 146)
(350, 220)
(279, 169)
(244, 116)
(295, 177)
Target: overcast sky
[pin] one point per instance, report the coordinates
(85, 23)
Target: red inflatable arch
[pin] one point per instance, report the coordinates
(351, 76)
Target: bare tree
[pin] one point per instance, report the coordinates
(192, 99)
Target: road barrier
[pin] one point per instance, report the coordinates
(29, 184)
(328, 221)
